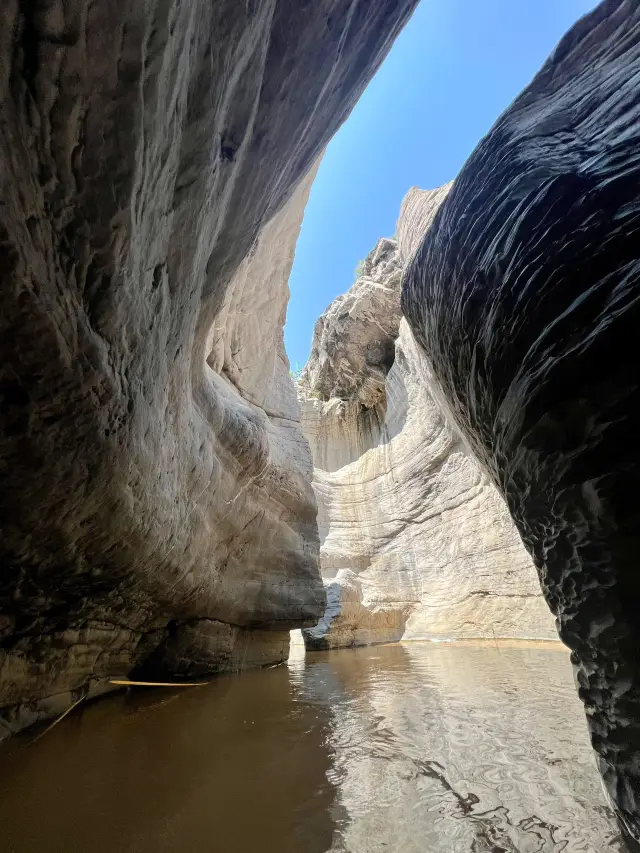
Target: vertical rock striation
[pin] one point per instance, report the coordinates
(525, 296)
(155, 509)
(416, 542)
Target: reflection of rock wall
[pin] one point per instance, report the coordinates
(153, 474)
(415, 541)
(451, 747)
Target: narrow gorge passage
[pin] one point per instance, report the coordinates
(415, 541)
(156, 507)
(451, 479)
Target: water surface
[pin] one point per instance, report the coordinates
(412, 748)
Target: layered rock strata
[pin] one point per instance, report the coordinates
(524, 296)
(155, 508)
(416, 542)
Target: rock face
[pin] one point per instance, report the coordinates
(525, 296)
(416, 542)
(353, 342)
(155, 507)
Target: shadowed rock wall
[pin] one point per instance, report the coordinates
(415, 540)
(525, 296)
(152, 477)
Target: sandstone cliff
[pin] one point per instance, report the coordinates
(416, 542)
(524, 296)
(155, 508)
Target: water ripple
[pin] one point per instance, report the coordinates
(457, 748)
(416, 748)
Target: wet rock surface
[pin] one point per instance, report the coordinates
(153, 472)
(524, 296)
(415, 540)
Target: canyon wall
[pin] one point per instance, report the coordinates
(415, 540)
(524, 294)
(156, 514)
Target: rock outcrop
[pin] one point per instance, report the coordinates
(525, 297)
(155, 508)
(416, 541)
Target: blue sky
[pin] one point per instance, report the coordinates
(455, 67)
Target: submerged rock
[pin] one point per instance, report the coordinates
(415, 540)
(525, 297)
(153, 472)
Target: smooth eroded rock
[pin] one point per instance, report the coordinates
(415, 540)
(524, 296)
(153, 472)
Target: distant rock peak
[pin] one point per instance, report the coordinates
(353, 342)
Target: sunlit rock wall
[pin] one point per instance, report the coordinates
(415, 541)
(524, 295)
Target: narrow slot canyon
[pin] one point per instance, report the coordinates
(380, 601)
(416, 542)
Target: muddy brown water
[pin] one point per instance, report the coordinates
(411, 748)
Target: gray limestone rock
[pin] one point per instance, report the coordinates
(153, 472)
(352, 349)
(415, 540)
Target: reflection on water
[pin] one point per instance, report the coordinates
(447, 748)
(416, 748)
